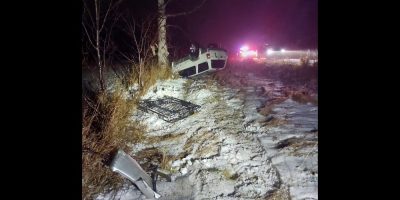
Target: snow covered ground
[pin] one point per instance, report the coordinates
(228, 150)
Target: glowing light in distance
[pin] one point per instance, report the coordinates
(244, 48)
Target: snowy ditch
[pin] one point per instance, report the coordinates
(227, 150)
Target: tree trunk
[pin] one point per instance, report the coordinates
(101, 78)
(140, 77)
(162, 35)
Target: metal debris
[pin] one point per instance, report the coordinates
(130, 169)
(168, 108)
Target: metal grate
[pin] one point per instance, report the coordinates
(169, 109)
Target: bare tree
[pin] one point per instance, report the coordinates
(97, 23)
(143, 35)
(162, 28)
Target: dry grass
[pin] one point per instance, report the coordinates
(296, 145)
(279, 194)
(206, 143)
(228, 174)
(267, 110)
(149, 156)
(106, 127)
(303, 97)
(213, 99)
(295, 75)
(166, 137)
(198, 138)
(210, 82)
(287, 142)
(301, 94)
(274, 122)
(166, 161)
(186, 88)
(299, 149)
(301, 144)
(277, 122)
(151, 72)
(208, 150)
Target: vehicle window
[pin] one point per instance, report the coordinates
(188, 71)
(217, 63)
(203, 67)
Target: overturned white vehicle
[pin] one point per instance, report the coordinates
(201, 60)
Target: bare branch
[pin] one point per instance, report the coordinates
(85, 8)
(108, 34)
(88, 36)
(97, 8)
(105, 17)
(132, 28)
(188, 12)
(127, 57)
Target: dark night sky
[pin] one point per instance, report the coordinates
(289, 23)
(231, 23)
